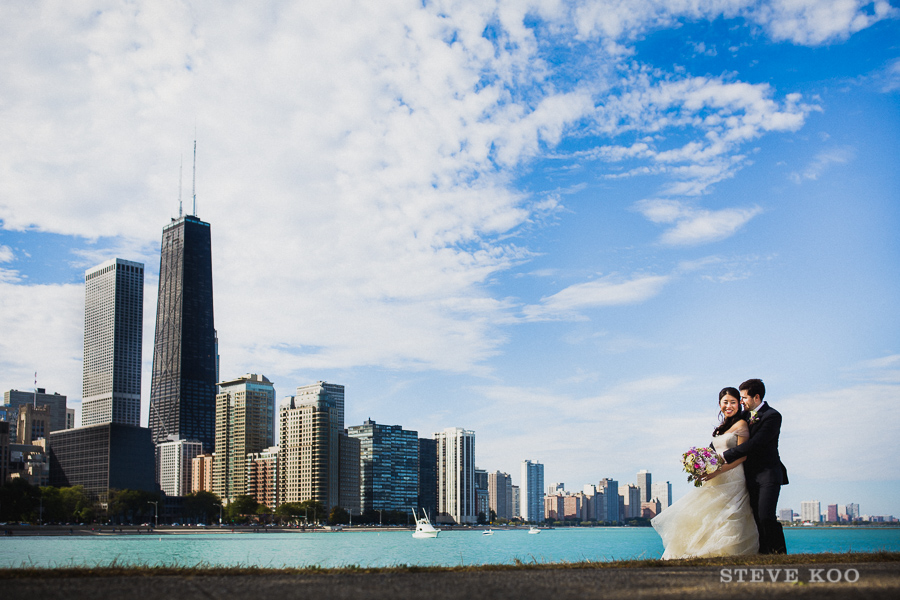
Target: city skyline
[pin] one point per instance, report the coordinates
(562, 225)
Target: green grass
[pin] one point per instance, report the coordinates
(115, 570)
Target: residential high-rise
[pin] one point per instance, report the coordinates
(500, 494)
(308, 452)
(632, 495)
(811, 511)
(482, 497)
(516, 502)
(113, 335)
(427, 499)
(245, 423)
(349, 472)
(388, 466)
(532, 491)
(663, 493)
(262, 476)
(334, 392)
(610, 489)
(456, 475)
(13, 399)
(645, 483)
(201, 473)
(183, 383)
(174, 460)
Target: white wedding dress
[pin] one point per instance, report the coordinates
(712, 520)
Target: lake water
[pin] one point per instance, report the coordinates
(390, 548)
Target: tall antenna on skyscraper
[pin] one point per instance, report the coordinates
(194, 184)
(180, 174)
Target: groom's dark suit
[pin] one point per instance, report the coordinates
(765, 475)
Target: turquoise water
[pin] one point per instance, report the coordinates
(390, 548)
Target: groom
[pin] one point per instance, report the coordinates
(763, 469)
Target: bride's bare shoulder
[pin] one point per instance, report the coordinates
(741, 428)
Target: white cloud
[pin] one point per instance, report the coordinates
(821, 162)
(606, 291)
(814, 22)
(693, 226)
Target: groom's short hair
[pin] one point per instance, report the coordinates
(754, 387)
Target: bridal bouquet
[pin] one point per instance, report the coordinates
(700, 461)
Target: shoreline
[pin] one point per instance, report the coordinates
(862, 575)
(133, 530)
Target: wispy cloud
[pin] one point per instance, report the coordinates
(691, 226)
(606, 291)
(822, 162)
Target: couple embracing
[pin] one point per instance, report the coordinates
(733, 513)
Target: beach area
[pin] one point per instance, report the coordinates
(851, 575)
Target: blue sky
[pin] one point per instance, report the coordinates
(563, 225)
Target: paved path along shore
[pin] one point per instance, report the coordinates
(816, 580)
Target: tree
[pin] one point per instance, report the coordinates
(289, 511)
(19, 501)
(202, 506)
(240, 508)
(481, 518)
(129, 506)
(338, 516)
(493, 515)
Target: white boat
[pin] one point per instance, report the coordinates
(534, 530)
(424, 528)
(487, 532)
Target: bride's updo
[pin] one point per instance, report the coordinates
(725, 424)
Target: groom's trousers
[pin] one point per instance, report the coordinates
(764, 503)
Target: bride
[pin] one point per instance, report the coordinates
(715, 519)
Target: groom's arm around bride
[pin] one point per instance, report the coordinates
(763, 469)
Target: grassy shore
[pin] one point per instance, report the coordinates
(813, 576)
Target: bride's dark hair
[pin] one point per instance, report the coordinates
(726, 424)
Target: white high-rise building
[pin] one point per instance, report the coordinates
(645, 482)
(173, 463)
(113, 328)
(663, 493)
(810, 510)
(532, 491)
(456, 475)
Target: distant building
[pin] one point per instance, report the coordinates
(308, 452)
(332, 391)
(610, 489)
(245, 424)
(202, 473)
(113, 335)
(32, 424)
(13, 399)
(428, 479)
(631, 495)
(811, 511)
(482, 497)
(456, 475)
(516, 502)
(103, 457)
(532, 491)
(185, 361)
(853, 512)
(786, 514)
(832, 511)
(554, 507)
(663, 493)
(349, 472)
(645, 484)
(388, 466)
(650, 509)
(593, 501)
(262, 476)
(174, 463)
(556, 488)
(70, 418)
(4, 451)
(500, 494)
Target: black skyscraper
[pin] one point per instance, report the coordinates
(183, 386)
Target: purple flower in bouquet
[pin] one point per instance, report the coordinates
(699, 462)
